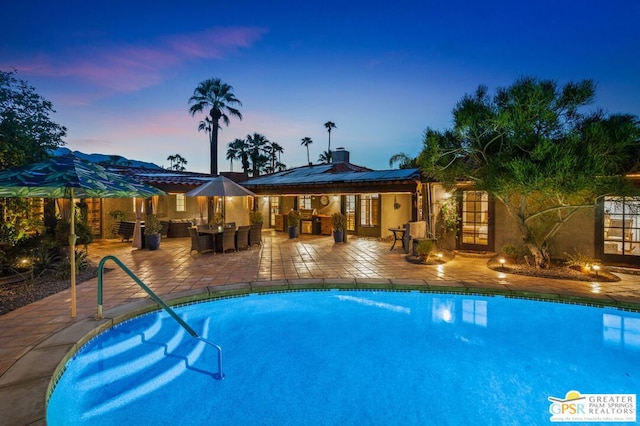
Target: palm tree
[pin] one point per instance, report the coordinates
(234, 150)
(306, 141)
(177, 161)
(273, 149)
(403, 160)
(329, 125)
(325, 157)
(218, 97)
(257, 145)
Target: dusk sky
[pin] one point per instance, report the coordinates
(120, 73)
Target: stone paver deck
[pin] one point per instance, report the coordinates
(36, 338)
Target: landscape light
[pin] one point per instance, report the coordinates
(596, 268)
(502, 262)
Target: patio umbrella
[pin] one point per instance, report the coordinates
(220, 187)
(68, 176)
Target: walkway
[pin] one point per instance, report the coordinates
(34, 339)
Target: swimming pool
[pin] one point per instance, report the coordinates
(350, 357)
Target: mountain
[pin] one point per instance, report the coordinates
(106, 159)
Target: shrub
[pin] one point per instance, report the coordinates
(293, 218)
(579, 260)
(255, 216)
(424, 248)
(82, 231)
(152, 225)
(339, 221)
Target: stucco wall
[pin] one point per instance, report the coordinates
(578, 234)
(392, 217)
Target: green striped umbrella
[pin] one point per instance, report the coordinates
(68, 176)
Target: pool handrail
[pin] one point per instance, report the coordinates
(158, 300)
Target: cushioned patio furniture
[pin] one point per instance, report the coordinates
(242, 237)
(178, 228)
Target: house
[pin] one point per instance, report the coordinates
(372, 200)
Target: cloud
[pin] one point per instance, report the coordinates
(129, 68)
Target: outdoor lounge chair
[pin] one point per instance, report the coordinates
(228, 239)
(200, 243)
(255, 234)
(242, 237)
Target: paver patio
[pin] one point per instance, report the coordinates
(35, 338)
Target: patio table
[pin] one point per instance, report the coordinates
(398, 235)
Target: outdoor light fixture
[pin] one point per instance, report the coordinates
(439, 256)
(596, 268)
(502, 262)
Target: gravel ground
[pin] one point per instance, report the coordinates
(16, 295)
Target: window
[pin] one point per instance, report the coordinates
(369, 209)
(274, 209)
(181, 205)
(350, 211)
(622, 226)
(304, 202)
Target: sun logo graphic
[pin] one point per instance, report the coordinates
(577, 407)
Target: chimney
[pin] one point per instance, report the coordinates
(340, 155)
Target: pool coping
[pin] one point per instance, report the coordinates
(28, 384)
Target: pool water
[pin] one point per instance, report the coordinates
(350, 358)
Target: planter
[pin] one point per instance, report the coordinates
(338, 236)
(153, 241)
(293, 232)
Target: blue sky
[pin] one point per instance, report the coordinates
(120, 73)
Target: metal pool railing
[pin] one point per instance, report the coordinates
(158, 300)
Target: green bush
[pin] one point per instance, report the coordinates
(255, 216)
(425, 247)
(293, 218)
(339, 221)
(82, 231)
(152, 225)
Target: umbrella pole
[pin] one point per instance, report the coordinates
(72, 254)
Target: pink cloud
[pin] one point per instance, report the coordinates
(134, 67)
(214, 43)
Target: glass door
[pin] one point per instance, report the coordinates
(475, 232)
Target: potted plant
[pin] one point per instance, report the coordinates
(255, 216)
(339, 224)
(217, 222)
(152, 228)
(293, 220)
(424, 249)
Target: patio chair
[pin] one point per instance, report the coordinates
(242, 237)
(230, 225)
(201, 227)
(255, 234)
(228, 239)
(199, 243)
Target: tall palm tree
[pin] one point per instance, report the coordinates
(273, 149)
(216, 96)
(306, 141)
(329, 125)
